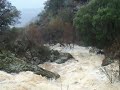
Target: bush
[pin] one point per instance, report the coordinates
(99, 22)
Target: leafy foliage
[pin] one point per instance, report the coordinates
(8, 14)
(99, 22)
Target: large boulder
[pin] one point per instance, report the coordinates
(60, 57)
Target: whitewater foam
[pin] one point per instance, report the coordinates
(82, 73)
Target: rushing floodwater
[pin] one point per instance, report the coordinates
(82, 73)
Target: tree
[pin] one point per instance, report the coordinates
(33, 34)
(8, 14)
(68, 34)
(55, 30)
(53, 6)
(99, 22)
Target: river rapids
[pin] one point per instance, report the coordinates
(82, 73)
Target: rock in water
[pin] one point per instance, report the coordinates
(107, 61)
(100, 52)
(46, 73)
(59, 57)
(63, 57)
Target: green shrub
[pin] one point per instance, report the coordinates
(99, 22)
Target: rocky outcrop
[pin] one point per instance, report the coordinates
(44, 54)
(12, 64)
(9, 63)
(52, 56)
